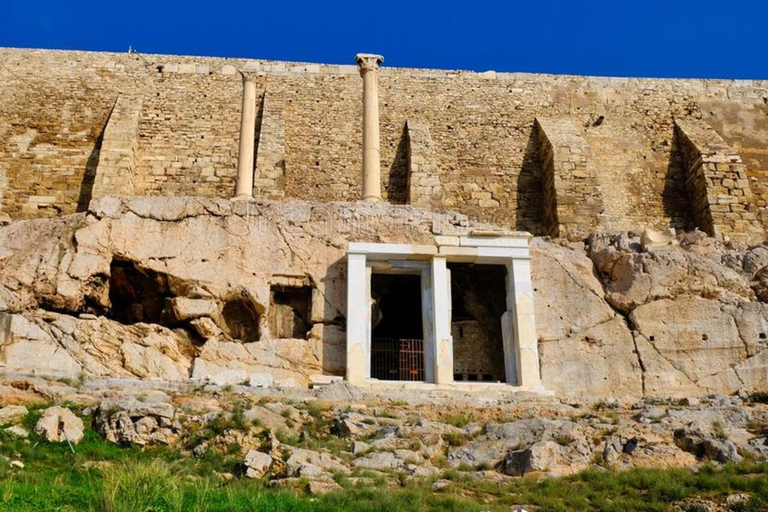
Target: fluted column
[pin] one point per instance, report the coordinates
(244, 186)
(369, 66)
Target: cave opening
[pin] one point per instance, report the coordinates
(240, 320)
(397, 337)
(137, 294)
(290, 311)
(478, 301)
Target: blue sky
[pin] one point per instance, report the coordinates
(727, 39)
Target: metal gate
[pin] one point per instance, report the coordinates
(397, 359)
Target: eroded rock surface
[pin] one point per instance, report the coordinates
(627, 317)
(184, 288)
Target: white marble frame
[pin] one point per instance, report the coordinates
(518, 323)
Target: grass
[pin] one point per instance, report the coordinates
(102, 477)
(458, 420)
(719, 430)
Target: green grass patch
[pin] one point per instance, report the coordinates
(102, 477)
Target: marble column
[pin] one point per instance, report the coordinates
(369, 66)
(358, 319)
(441, 314)
(521, 349)
(244, 186)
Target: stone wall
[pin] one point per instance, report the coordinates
(476, 358)
(117, 149)
(570, 192)
(483, 152)
(718, 188)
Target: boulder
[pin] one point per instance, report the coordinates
(306, 463)
(257, 464)
(359, 447)
(59, 424)
(700, 440)
(18, 431)
(352, 425)
(379, 461)
(721, 450)
(323, 486)
(491, 447)
(188, 309)
(545, 456)
(205, 327)
(11, 414)
(760, 284)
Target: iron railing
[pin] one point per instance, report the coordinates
(397, 359)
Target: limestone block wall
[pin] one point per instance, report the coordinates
(189, 130)
(425, 190)
(743, 126)
(570, 192)
(117, 150)
(475, 357)
(719, 191)
(269, 179)
(485, 152)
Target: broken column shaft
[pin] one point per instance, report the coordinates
(369, 66)
(244, 186)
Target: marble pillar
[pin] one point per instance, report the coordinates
(244, 185)
(369, 67)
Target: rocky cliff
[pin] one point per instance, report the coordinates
(623, 314)
(183, 288)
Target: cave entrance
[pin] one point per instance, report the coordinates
(137, 294)
(241, 320)
(397, 336)
(478, 303)
(289, 311)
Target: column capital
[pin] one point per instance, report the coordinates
(368, 61)
(247, 77)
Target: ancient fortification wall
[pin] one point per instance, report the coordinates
(544, 153)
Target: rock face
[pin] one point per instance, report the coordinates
(190, 288)
(585, 346)
(182, 287)
(626, 317)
